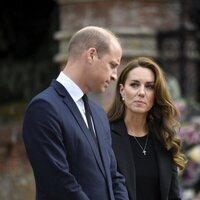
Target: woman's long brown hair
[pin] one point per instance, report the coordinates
(162, 118)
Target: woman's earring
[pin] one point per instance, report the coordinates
(123, 99)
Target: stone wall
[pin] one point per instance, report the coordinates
(16, 178)
(138, 24)
(160, 14)
(135, 22)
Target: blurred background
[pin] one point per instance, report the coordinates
(33, 42)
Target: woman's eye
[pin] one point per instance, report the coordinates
(134, 85)
(151, 87)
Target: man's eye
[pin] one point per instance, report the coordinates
(113, 66)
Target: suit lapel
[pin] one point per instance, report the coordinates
(80, 121)
(102, 148)
(101, 135)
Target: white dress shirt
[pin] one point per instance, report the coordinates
(75, 92)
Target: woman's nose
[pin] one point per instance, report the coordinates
(141, 91)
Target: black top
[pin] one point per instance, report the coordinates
(147, 180)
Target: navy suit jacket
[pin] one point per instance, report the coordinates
(169, 187)
(66, 162)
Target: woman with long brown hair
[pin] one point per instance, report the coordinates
(143, 122)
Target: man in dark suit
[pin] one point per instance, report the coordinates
(71, 153)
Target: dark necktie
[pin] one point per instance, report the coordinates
(88, 116)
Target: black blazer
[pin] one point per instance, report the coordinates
(65, 159)
(167, 171)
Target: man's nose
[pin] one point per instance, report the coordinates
(114, 75)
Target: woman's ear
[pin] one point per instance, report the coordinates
(121, 89)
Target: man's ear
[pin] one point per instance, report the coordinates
(91, 53)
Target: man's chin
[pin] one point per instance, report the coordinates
(101, 90)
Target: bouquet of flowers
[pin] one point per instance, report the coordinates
(190, 137)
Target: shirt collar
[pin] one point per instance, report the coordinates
(73, 89)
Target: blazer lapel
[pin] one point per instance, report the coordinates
(164, 164)
(79, 119)
(122, 148)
